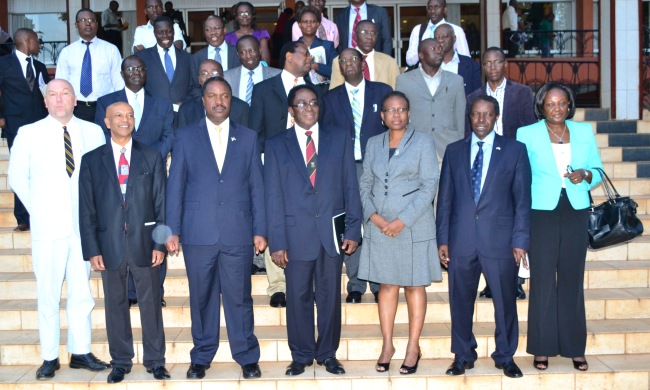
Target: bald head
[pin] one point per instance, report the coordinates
(120, 121)
(26, 41)
(60, 100)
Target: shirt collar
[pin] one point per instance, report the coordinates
(300, 130)
(501, 86)
(21, 57)
(131, 94)
(94, 40)
(454, 59)
(224, 125)
(426, 76)
(360, 87)
(288, 78)
(118, 148)
(489, 139)
(442, 21)
(362, 8)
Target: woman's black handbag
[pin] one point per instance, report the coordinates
(613, 221)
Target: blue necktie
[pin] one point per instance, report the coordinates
(477, 172)
(86, 82)
(169, 66)
(217, 54)
(249, 87)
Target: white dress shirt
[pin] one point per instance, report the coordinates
(361, 98)
(331, 31)
(451, 66)
(363, 10)
(106, 63)
(433, 82)
(562, 153)
(117, 151)
(509, 19)
(288, 81)
(223, 53)
(302, 139)
(460, 46)
(487, 154)
(22, 60)
(144, 36)
(258, 76)
(219, 140)
(498, 95)
(131, 97)
(172, 55)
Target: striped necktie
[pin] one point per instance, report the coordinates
(357, 19)
(217, 54)
(311, 158)
(477, 172)
(249, 87)
(86, 82)
(357, 115)
(69, 155)
(123, 172)
(29, 74)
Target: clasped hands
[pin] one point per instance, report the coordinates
(391, 229)
(518, 253)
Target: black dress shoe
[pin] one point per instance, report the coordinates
(159, 373)
(162, 302)
(332, 365)
(353, 297)
(133, 302)
(117, 374)
(510, 369)
(521, 294)
(22, 227)
(278, 300)
(458, 367)
(46, 370)
(486, 293)
(376, 294)
(197, 371)
(296, 368)
(251, 371)
(88, 362)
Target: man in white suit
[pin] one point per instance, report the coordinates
(43, 172)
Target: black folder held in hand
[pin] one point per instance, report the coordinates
(338, 229)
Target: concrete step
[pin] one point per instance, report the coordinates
(591, 114)
(605, 372)
(358, 342)
(601, 304)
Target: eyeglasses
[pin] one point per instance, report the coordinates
(493, 64)
(214, 73)
(244, 14)
(477, 115)
(550, 106)
(133, 69)
(87, 20)
(393, 110)
(302, 105)
(353, 60)
(368, 32)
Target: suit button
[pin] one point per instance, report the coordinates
(220, 203)
(220, 181)
(317, 215)
(315, 192)
(385, 187)
(385, 180)
(385, 193)
(386, 173)
(476, 216)
(433, 114)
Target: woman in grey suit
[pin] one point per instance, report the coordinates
(399, 181)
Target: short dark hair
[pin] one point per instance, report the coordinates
(309, 9)
(494, 48)
(364, 21)
(163, 19)
(489, 99)
(294, 91)
(131, 57)
(442, 2)
(289, 47)
(215, 79)
(541, 95)
(223, 23)
(85, 9)
(247, 37)
(396, 94)
(234, 11)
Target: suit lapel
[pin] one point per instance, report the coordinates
(465, 157)
(158, 63)
(293, 148)
(179, 63)
(367, 102)
(495, 160)
(134, 166)
(347, 107)
(324, 141)
(233, 132)
(148, 108)
(204, 140)
(19, 70)
(111, 169)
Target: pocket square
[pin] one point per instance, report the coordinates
(374, 107)
(149, 223)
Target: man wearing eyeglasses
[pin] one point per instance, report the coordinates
(144, 37)
(355, 107)
(516, 103)
(240, 78)
(347, 22)
(376, 66)
(91, 65)
(310, 178)
(437, 97)
(193, 110)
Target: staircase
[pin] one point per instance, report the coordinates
(617, 283)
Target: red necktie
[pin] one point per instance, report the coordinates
(123, 172)
(354, 27)
(365, 69)
(311, 158)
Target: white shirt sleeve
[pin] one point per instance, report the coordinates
(461, 41)
(138, 38)
(512, 17)
(412, 51)
(178, 35)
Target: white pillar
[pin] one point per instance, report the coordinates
(492, 19)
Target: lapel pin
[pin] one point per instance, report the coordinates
(233, 139)
(498, 147)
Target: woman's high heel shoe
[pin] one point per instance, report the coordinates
(580, 365)
(384, 367)
(406, 370)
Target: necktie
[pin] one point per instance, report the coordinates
(354, 27)
(477, 173)
(431, 30)
(311, 158)
(69, 156)
(249, 87)
(322, 34)
(357, 116)
(123, 172)
(29, 74)
(86, 82)
(169, 66)
(217, 54)
(137, 111)
(365, 69)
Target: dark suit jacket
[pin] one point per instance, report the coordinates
(206, 206)
(157, 82)
(21, 105)
(269, 108)
(501, 219)
(376, 14)
(202, 55)
(518, 110)
(300, 216)
(337, 111)
(193, 111)
(470, 70)
(156, 126)
(101, 215)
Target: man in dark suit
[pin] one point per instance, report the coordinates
(347, 20)
(309, 178)
(218, 49)
(21, 77)
(215, 202)
(169, 70)
(453, 62)
(122, 188)
(355, 107)
(154, 121)
(193, 111)
(483, 220)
